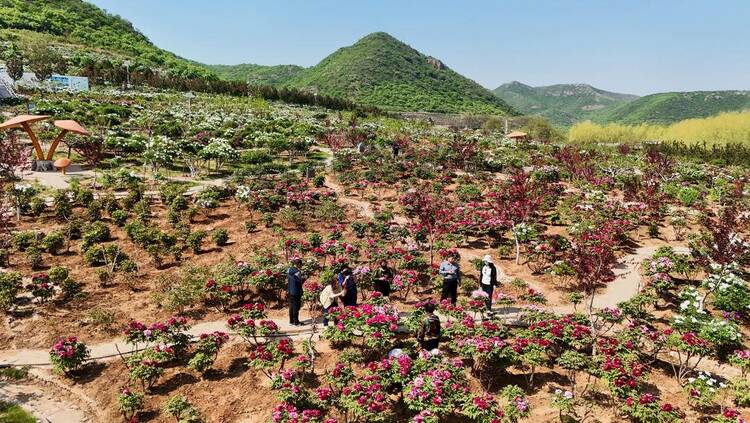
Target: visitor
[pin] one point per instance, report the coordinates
(382, 278)
(395, 148)
(294, 280)
(451, 273)
(329, 298)
(488, 279)
(349, 286)
(428, 334)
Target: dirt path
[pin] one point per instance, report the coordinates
(41, 403)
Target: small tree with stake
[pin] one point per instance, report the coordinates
(521, 200)
(91, 149)
(429, 213)
(592, 256)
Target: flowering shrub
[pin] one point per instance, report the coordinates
(148, 365)
(288, 413)
(254, 332)
(621, 369)
(690, 349)
(376, 324)
(172, 333)
(206, 350)
(270, 358)
(647, 409)
(741, 359)
(439, 390)
(702, 390)
(130, 403)
(533, 296)
(68, 355)
(482, 408)
(730, 415)
(41, 287)
(729, 290)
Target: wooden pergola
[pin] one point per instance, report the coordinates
(25, 121)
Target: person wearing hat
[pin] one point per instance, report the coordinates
(488, 279)
(294, 279)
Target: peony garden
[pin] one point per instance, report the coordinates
(151, 284)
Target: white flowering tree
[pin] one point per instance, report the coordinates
(190, 153)
(219, 150)
(160, 151)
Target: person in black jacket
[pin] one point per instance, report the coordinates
(294, 279)
(488, 279)
(382, 278)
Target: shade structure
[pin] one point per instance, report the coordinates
(19, 121)
(71, 126)
(25, 121)
(517, 134)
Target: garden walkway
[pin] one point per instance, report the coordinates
(42, 404)
(626, 284)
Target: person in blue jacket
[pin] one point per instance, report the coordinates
(349, 285)
(294, 280)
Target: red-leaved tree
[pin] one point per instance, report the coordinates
(592, 257)
(720, 241)
(430, 214)
(14, 157)
(522, 199)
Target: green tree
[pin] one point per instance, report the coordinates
(13, 62)
(44, 61)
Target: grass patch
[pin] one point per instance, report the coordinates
(12, 413)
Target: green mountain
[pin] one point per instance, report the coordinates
(382, 71)
(257, 74)
(79, 29)
(666, 108)
(562, 104)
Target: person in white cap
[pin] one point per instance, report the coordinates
(488, 279)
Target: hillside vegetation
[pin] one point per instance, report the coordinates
(667, 108)
(561, 104)
(81, 29)
(257, 74)
(725, 128)
(382, 71)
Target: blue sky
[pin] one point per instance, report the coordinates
(634, 46)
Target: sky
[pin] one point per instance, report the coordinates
(629, 46)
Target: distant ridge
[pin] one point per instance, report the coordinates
(666, 108)
(561, 104)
